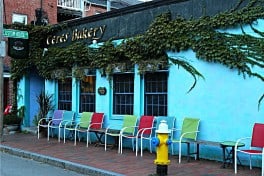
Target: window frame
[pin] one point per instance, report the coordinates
(19, 18)
(162, 104)
(129, 96)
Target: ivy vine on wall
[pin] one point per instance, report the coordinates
(204, 36)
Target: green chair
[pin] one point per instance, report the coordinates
(188, 135)
(82, 126)
(128, 127)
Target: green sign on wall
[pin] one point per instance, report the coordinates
(11, 33)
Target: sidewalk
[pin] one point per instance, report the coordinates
(96, 161)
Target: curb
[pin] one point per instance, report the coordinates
(83, 169)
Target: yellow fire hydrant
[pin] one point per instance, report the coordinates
(162, 142)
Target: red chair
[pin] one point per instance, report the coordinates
(144, 132)
(95, 126)
(256, 147)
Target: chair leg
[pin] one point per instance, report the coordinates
(121, 144)
(141, 146)
(235, 164)
(179, 152)
(150, 146)
(118, 151)
(87, 139)
(136, 146)
(105, 141)
(75, 136)
(250, 164)
(133, 144)
(48, 133)
(38, 132)
(59, 136)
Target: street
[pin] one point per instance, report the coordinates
(11, 165)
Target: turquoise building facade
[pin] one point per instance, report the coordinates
(225, 102)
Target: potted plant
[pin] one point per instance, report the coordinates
(45, 104)
(12, 120)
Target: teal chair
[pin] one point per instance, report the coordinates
(170, 120)
(188, 135)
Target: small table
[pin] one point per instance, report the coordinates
(99, 134)
(231, 154)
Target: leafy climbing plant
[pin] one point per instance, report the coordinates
(205, 36)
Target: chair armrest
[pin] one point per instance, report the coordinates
(93, 124)
(143, 130)
(241, 139)
(112, 127)
(53, 120)
(123, 129)
(67, 123)
(40, 120)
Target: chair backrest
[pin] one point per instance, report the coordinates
(129, 121)
(169, 119)
(258, 135)
(97, 120)
(188, 125)
(57, 117)
(68, 116)
(146, 122)
(85, 119)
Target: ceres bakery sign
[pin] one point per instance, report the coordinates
(93, 33)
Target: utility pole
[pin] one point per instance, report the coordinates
(2, 55)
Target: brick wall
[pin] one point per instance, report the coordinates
(92, 10)
(27, 7)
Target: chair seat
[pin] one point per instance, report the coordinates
(257, 152)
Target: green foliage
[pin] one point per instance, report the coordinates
(148, 51)
(15, 117)
(45, 103)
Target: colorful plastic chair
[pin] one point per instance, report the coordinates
(188, 135)
(67, 120)
(128, 127)
(144, 131)
(256, 147)
(95, 126)
(56, 119)
(81, 126)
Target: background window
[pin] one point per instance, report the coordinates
(156, 93)
(65, 94)
(87, 94)
(18, 18)
(123, 93)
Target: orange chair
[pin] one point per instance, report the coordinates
(256, 147)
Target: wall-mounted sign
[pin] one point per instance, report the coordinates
(102, 91)
(18, 48)
(76, 34)
(11, 33)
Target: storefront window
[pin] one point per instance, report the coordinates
(87, 94)
(156, 93)
(65, 94)
(123, 93)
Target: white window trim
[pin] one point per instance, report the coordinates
(19, 18)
